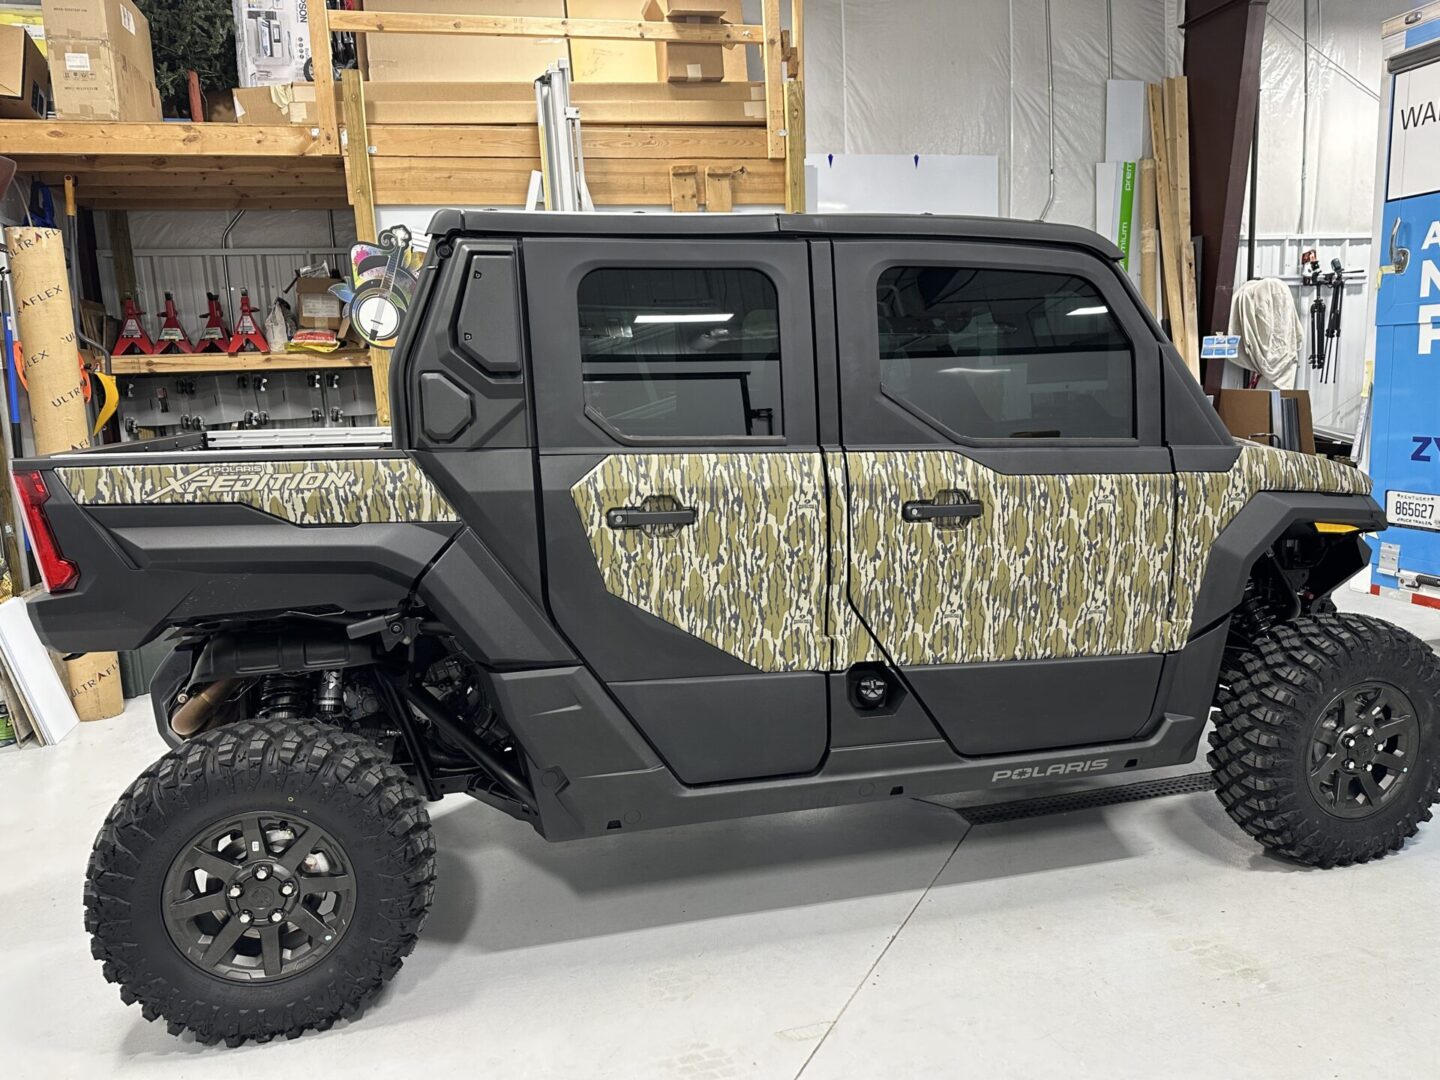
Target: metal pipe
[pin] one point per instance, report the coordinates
(198, 709)
(1304, 116)
(470, 743)
(1050, 77)
(1252, 241)
(225, 259)
(1110, 33)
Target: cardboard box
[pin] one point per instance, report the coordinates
(316, 307)
(272, 41)
(637, 61)
(101, 66)
(682, 62)
(24, 76)
(286, 103)
(28, 16)
(1249, 414)
(462, 57)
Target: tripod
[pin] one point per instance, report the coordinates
(1325, 322)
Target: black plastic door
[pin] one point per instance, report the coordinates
(683, 490)
(1011, 507)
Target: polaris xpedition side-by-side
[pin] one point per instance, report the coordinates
(690, 518)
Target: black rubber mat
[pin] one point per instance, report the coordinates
(1085, 800)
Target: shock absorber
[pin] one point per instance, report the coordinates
(332, 692)
(283, 697)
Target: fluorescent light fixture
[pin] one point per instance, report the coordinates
(661, 318)
(1101, 310)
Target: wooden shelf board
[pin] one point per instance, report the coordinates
(210, 363)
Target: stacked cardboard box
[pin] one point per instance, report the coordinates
(100, 60)
(24, 76)
(684, 62)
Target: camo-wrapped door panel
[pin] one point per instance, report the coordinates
(749, 576)
(1054, 566)
(321, 491)
(1208, 502)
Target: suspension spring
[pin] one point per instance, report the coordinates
(283, 697)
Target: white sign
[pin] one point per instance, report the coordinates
(1415, 133)
(1413, 509)
(1220, 347)
(906, 183)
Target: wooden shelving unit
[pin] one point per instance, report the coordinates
(649, 151)
(209, 363)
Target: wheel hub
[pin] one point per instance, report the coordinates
(1364, 743)
(258, 897)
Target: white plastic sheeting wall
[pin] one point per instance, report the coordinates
(946, 77)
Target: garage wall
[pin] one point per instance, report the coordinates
(940, 77)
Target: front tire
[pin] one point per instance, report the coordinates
(1327, 748)
(261, 879)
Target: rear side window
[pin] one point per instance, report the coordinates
(681, 353)
(1005, 354)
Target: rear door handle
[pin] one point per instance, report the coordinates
(924, 512)
(635, 517)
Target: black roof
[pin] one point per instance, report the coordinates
(915, 226)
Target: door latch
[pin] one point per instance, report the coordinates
(949, 509)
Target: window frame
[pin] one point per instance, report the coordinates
(554, 269)
(873, 416)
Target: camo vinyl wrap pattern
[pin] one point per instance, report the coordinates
(748, 577)
(851, 643)
(1055, 566)
(323, 491)
(1208, 502)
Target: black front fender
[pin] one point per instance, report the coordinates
(1265, 518)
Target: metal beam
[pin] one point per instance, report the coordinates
(1223, 40)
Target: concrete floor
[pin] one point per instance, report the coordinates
(1135, 940)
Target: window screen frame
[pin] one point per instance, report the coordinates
(554, 269)
(872, 417)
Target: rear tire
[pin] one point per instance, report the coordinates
(326, 839)
(1293, 763)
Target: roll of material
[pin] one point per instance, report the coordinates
(49, 350)
(55, 386)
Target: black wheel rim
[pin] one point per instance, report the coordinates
(1364, 750)
(259, 897)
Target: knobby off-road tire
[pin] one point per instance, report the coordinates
(1279, 697)
(335, 786)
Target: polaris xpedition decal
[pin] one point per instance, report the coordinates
(325, 491)
(1060, 768)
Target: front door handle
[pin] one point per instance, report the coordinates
(637, 517)
(928, 512)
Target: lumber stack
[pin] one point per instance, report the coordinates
(1170, 131)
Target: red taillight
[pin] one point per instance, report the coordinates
(60, 573)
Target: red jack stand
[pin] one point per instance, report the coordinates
(215, 337)
(247, 336)
(132, 340)
(172, 337)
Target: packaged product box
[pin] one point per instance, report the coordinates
(101, 66)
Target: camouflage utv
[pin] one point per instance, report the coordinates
(691, 518)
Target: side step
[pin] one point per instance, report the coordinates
(994, 813)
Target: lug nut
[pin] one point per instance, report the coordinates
(1369, 768)
(277, 915)
(1348, 742)
(287, 889)
(245, 917)
(262, 872)
(233, 891)
(1369, 732)
(1349, 764)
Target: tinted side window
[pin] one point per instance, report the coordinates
(1005, 354)
(675, 352)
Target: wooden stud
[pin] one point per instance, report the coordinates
(391, 22)
(1149, 239)
(122, 252)
(516, 141)
(773, 57)
(149, 140)
(684, 189)
(1169, 257)
(1178, 111)
(794, 146)
(797, 38)
(719, 189)
(360, 186)
(323, 63)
